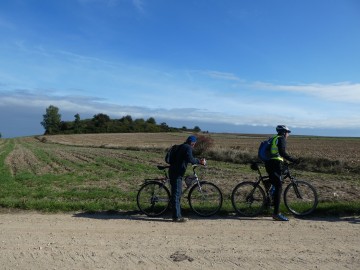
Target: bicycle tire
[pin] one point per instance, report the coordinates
(248, 199)
(153, 199)
(205, 199)
(303, 203)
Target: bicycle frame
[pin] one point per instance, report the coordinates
(204, 197)
(261, 178)
(250, 198)
(286, 174)
(166, 179)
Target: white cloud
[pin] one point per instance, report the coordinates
(200, 95)
(221, 75)
(251, 114)
(342, 92)
(139, 5)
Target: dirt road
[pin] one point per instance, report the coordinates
(121, 241)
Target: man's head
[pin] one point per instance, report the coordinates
(282, 130)
(191, 140)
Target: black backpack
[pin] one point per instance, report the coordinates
(170, 156)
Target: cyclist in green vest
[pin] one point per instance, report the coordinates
(274, 167)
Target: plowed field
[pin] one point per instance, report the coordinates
(70, 168)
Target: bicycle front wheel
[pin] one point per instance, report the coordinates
(248, 199)
(205, 199)
(300, 198)
(153, 199)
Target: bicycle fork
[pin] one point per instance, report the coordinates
(297, 191)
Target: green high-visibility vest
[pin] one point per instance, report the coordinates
(274, 150)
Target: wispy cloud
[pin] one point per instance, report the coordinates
(251, 115)
(139, 5)
(342, 91)
(219, 75)
(204, 96)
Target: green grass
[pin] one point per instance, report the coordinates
(338, 209)
(5, 149)
(98, 179)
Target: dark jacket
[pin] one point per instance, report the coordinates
(183, 157)
(282, 149)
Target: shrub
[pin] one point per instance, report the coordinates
(203, 144)
(230, 155)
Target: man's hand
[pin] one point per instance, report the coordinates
(203, 161)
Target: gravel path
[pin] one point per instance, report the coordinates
(31, 240)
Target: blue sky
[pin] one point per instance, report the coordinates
(223, 65)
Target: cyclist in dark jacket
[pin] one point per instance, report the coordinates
(274, 167)
(183, 157)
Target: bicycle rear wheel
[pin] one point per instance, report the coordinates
(205, 199)
(248, 199)
(153, 199)
(300, 198)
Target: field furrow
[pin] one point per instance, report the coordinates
(101, 172)
(22, 159)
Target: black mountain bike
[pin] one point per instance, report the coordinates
(153, 198)
(250, 198)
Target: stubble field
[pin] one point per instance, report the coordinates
(86, 167)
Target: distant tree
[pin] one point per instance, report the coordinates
(126, 119)
(51, 120)
(139, 121)
(197, 129)
(77, 123)
(77, 118)
(100, 119)
(0, 135)
(151, 120)
(164, 127)
(65, 126)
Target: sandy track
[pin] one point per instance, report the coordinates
(118, 241)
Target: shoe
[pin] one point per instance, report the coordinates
(179, 219)
(280, 217)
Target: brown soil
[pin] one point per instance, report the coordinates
(118, 241)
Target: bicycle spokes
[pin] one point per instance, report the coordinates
(205, 199)
(300, 198)
(153, 199)
(248, 199)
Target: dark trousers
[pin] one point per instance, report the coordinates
(176, 192)
(274, 169)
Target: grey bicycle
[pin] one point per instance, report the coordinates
(153, 197)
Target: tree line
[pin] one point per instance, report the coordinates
(102, 123)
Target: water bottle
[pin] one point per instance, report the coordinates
(272, 190)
